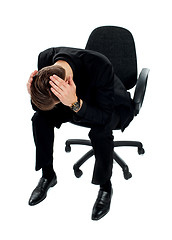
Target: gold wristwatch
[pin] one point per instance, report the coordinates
(76, 106)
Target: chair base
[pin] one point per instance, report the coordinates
(77, 171)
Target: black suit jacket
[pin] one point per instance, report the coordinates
(104, 96)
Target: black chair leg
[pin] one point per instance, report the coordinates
(76, 141)
(123, 165)
(139, 145)
(78, 173)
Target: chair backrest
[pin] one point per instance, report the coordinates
(117, 44)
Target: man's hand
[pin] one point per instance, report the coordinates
(64, 90)
(30, 80)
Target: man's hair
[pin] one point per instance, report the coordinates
(41, 95)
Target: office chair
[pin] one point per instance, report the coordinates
(117, 44)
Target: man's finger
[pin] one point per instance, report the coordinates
(32, 75)
(58, 79)
(56, 93)
(56, 87)
(71, 82)
(58, 82)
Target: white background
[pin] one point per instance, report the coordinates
(141, 207)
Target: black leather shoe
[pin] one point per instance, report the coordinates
(102, 204)
(40, 192)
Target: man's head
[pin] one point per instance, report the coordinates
(41, 95)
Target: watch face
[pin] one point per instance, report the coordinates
(76, 106)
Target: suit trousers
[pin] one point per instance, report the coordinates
(43, 124)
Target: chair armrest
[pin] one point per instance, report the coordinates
(140, 90)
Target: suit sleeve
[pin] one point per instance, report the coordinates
(101, 110)
(45, 58)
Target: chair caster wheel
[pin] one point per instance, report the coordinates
(78, 173)
(68, 148)
(127, 175)
(141, 151)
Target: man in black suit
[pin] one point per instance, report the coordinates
(80, 86)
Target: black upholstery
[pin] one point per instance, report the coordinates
(117, 44)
